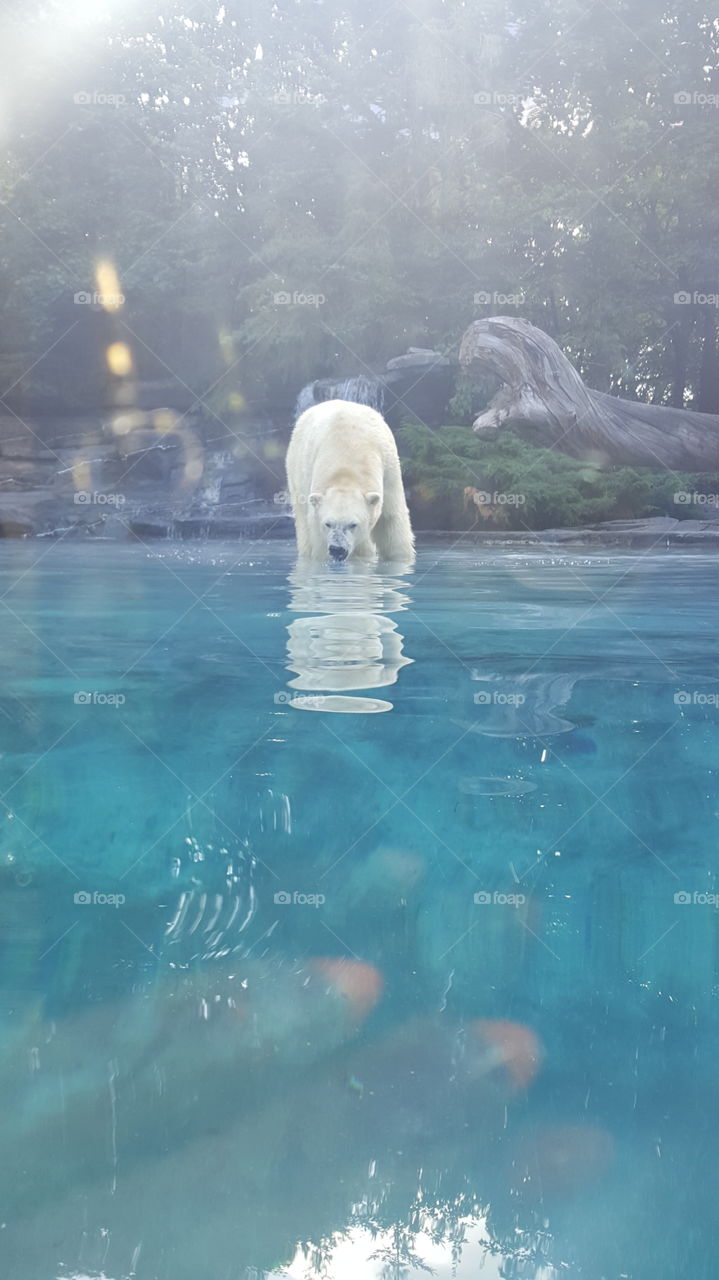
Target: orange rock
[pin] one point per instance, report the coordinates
(360, 984)
(512, 1045)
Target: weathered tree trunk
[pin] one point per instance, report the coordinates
(544, 396)
(708, 393)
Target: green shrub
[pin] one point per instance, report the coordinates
(554, 490)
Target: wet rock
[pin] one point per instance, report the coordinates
(416, 357)
(660, 531)
(418, 384)
(149, 528)
(11, 527)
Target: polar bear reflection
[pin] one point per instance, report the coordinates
(348, 644)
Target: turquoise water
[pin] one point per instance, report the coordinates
(339, 927)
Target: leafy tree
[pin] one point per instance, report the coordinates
(399, 163)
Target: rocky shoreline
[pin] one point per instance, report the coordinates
(656, 531)
(153, 474)
(36, 515)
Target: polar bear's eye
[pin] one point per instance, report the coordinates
(328, 524)
(351, 526)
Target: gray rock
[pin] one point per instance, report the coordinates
(14, 526)
(697, 531)
(660, 531)
(25, 450)
(149, 527)
(652, 524)
(24, 475)
(417, 357)
(213, 525)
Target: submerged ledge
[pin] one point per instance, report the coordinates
(656, 531)
(34, 515)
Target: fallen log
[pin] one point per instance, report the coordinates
(544, 397)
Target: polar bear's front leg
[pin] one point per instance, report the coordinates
(393, 536)
(302, 526)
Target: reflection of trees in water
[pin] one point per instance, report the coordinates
(399, 1255)
(349, 642)
(457, 1226)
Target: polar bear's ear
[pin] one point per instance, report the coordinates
(315, 499)
(373, 499)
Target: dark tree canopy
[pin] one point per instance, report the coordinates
(411, 166)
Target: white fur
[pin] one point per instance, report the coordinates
(345, 485)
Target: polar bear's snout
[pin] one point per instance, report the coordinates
(337, 550)
(343, 520)
(340, 538)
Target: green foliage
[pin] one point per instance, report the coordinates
(549, 489)
(473, 392)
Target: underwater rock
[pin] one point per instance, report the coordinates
(171, 1062)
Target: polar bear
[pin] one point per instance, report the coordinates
(345, 485)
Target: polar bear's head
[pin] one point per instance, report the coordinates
(344, 519)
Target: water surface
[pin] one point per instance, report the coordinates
(357, 920)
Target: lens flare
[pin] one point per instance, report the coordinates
(119, 359)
